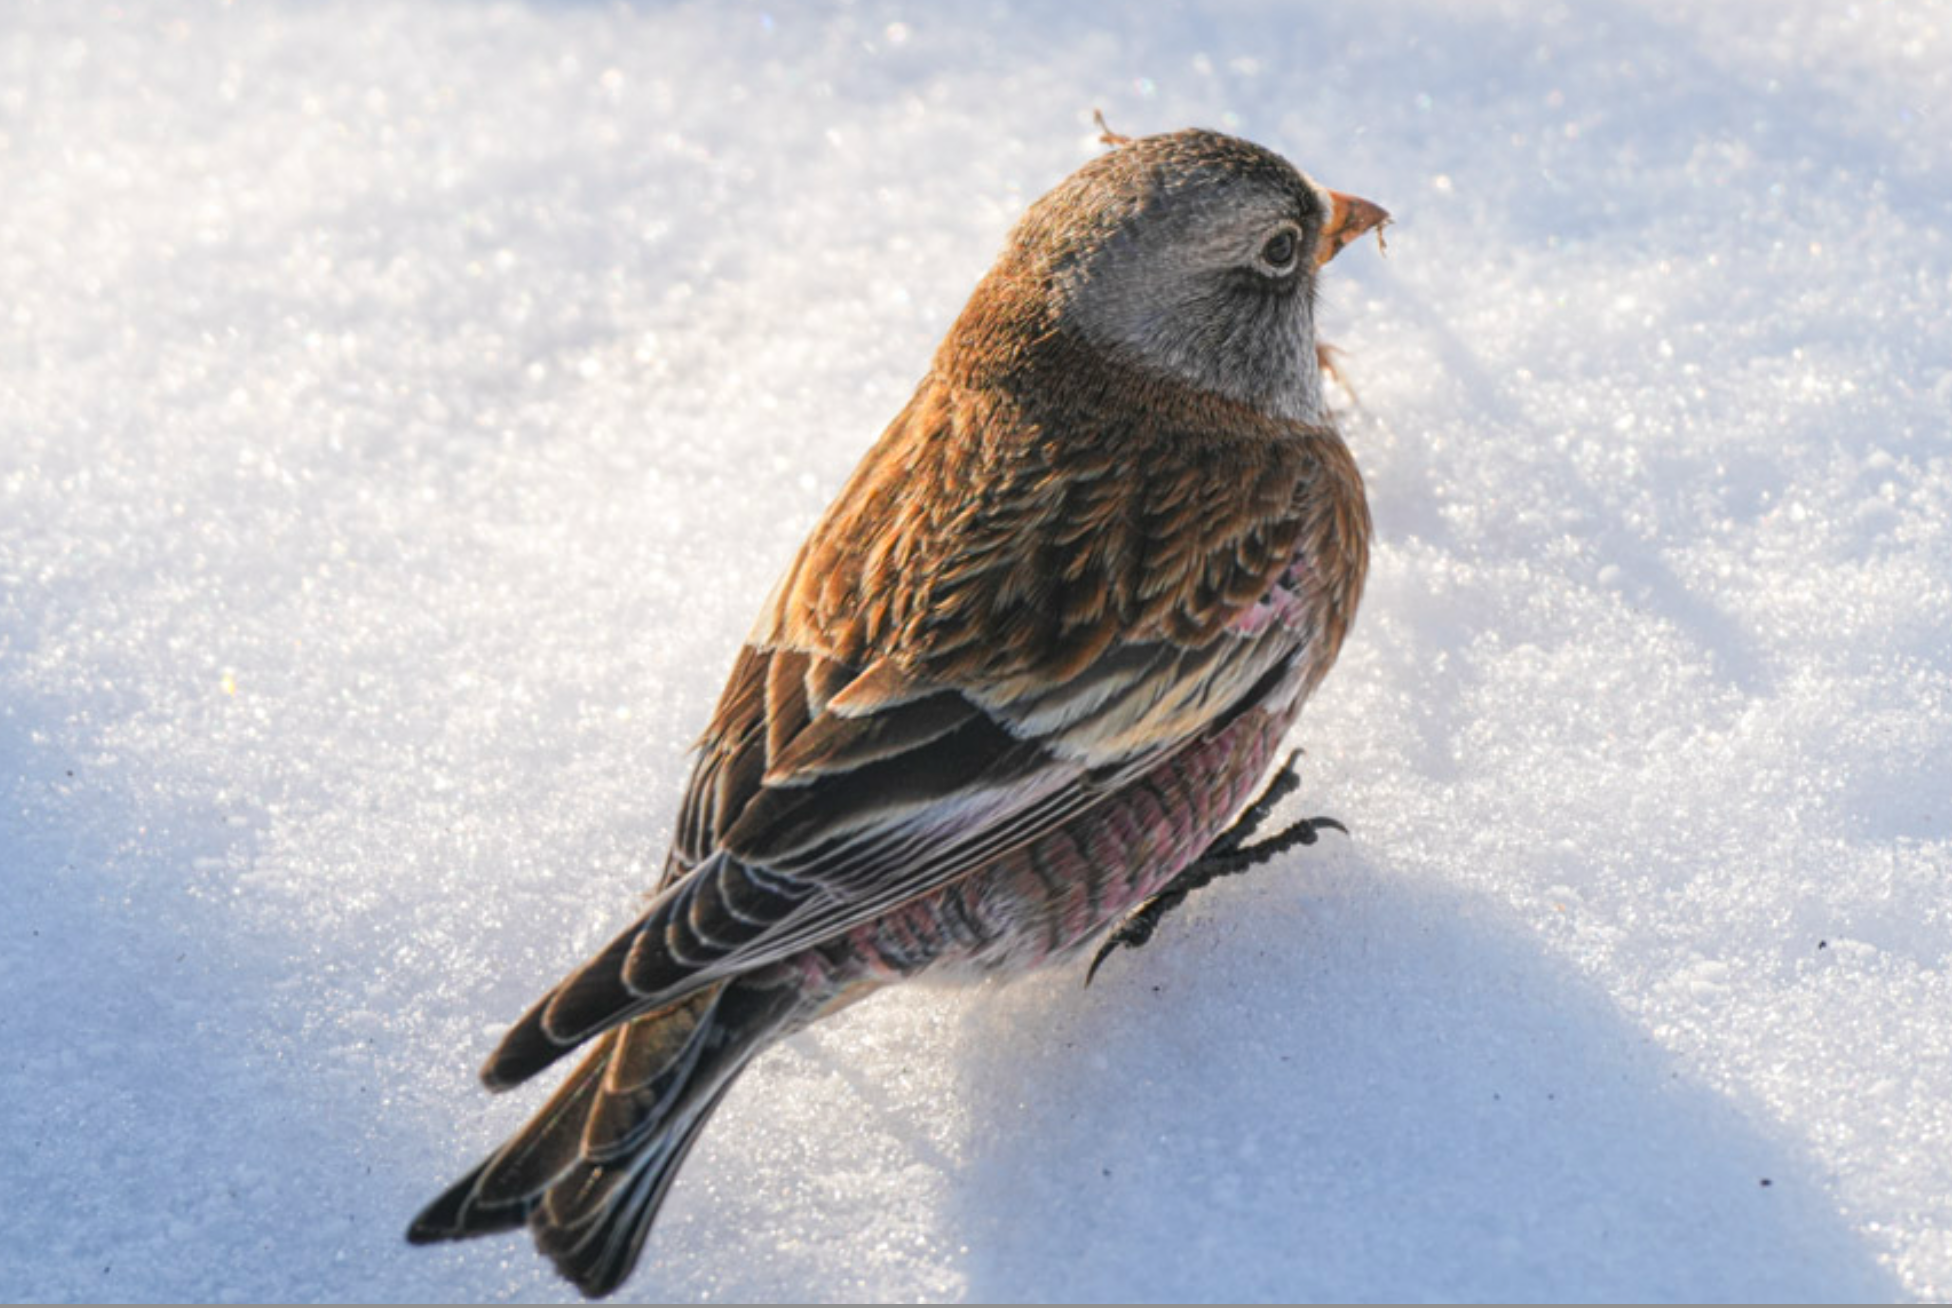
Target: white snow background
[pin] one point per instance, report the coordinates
(405, 407)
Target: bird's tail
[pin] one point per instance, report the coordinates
(589, 1171)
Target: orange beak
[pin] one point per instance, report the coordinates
(1350, 217)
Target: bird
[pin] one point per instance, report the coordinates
(1016, 692)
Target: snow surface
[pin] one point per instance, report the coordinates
(404, 408)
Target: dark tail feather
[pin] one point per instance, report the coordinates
(500, 1193)
(590, 1170)
(602, 1228)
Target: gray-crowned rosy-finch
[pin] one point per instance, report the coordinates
(1015, 686)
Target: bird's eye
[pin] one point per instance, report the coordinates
(1279, 252)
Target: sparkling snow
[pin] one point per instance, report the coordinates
(404, 408)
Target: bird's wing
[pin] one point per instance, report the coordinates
(929, 690)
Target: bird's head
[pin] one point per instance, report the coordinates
(1192, 255)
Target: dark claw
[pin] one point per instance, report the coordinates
(1284, 783)
(1223, 858)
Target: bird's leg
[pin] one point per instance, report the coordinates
(1229, 853)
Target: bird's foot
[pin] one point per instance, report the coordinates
(1228, 854)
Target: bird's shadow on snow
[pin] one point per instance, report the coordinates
(1343, 1082)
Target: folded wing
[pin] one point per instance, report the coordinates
(934, 685)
